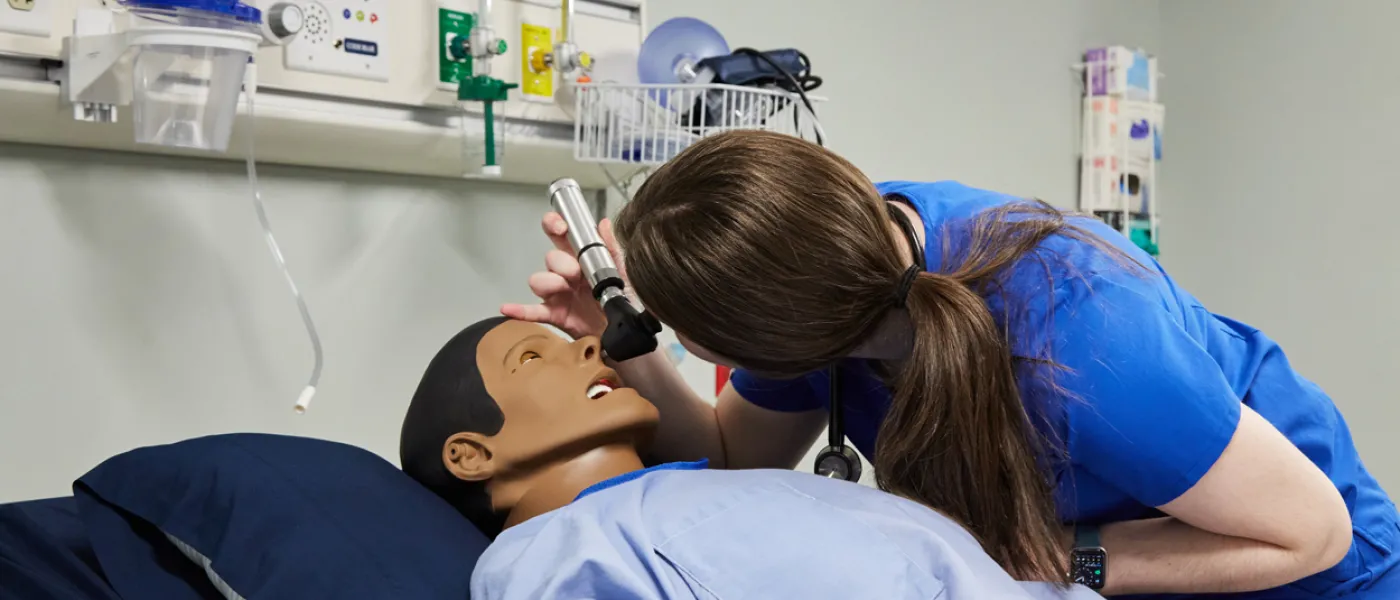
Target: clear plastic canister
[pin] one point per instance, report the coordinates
(186, 96)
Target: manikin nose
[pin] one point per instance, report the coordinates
(588, 349)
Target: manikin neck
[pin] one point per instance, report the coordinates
(556, 486)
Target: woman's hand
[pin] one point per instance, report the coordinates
(566, 300)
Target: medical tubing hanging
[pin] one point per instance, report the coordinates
(304, 400)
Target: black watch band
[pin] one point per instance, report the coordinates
(1086, 536)
(1088, 560)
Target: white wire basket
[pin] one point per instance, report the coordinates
(650, 124)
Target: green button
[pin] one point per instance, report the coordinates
(501, 47)
(1098, 572)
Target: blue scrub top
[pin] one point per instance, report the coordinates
(677, 533)
(1157, 379)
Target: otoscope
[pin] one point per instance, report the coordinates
(630, 332)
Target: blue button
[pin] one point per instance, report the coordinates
(347, 13)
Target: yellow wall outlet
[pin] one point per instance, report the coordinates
(536, 79)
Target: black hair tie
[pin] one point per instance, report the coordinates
(906, 282)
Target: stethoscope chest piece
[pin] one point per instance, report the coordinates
(838, 462)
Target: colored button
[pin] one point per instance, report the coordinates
(347, 13)
(360, 16)
(373, 18)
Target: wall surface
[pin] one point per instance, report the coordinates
(981, 91)
(1281, 132)
(141, 305)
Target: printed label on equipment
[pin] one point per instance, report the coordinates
(361, 47)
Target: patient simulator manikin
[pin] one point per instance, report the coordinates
(534, 439)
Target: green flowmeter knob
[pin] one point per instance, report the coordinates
(458, 48)
(501, 47)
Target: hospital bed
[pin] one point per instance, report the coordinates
(239, 516)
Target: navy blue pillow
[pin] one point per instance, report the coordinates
(278, 517)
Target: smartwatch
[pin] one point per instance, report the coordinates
(1088, 560)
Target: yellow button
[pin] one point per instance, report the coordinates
(584, 60)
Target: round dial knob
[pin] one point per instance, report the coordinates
(286, 19)
(458, 48)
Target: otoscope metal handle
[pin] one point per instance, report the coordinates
(567, 198)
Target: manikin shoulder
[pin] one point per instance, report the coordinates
(717, 533)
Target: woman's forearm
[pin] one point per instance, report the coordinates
(1163, 556)
(689, 429)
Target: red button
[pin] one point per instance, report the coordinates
(373, 18)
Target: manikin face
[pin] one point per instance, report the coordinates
(558, 401)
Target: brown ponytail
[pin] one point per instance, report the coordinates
(957, 436)
(780, 256)
(958, 400)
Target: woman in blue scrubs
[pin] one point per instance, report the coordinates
(1031, 374)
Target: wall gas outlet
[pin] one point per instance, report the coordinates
(343, 37)
(454, 64)
(28, 17)
(536, 78)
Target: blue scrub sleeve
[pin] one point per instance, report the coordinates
(1154, 410)
(784, 395)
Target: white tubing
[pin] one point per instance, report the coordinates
(250, 86)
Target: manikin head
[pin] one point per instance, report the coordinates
(503, 404)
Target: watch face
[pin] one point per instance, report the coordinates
(1089, 567)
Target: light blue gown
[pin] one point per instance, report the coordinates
(680, 532)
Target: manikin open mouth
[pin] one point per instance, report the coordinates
(601, 388)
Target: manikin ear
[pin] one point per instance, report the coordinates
(468, 457)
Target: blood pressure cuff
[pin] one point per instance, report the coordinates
(267, 516)
(747, 69)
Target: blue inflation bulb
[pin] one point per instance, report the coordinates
(676, 40)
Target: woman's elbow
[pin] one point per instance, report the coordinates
(1328, 540)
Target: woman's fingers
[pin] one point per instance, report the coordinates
(605, 231)
(537, 313)
(557, 229)
(547, 285)
(563, 264)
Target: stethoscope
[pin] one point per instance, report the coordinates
(837, 460)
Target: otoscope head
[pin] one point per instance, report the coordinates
(630, 333)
